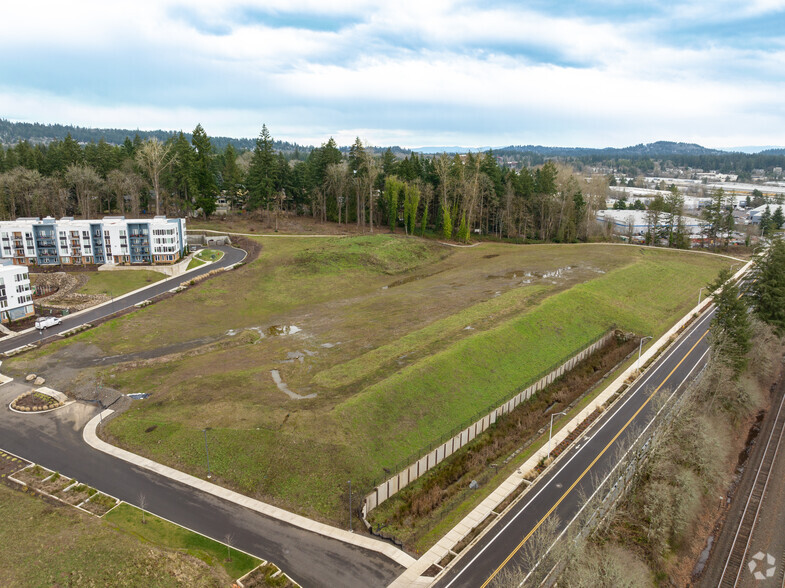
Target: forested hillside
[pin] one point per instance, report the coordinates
(451, 196)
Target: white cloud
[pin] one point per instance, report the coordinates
(534, 77)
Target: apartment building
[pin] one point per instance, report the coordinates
(110, 240)
(16, 297)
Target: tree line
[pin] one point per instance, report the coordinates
(450, 196)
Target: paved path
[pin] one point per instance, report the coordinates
(55, 441)
(231, 256)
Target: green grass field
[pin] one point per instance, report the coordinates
(401, 340)
(119, 282)
(161, 533)
(204, 256)
(45, 545)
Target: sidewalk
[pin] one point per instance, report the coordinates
(91, 438)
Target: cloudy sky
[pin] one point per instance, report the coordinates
(410, 72)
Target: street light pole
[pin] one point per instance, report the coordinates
(207, 451)
(700, 292)
(550, 432)
(350, 507)
(640, 347)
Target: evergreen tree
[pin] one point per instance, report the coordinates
(202, 172)
(765, 221)
(263, 172)
(777, 218)
(231, 176)
(730, 327)
(463, 230)
(179, 177)
(446, 223)
(389, 163)
(768, 291)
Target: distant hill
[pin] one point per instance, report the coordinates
(13, 132)
(658, 149)
(774, 151)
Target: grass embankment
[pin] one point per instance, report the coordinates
(446, 389)
(119, 282)
(45, 545)
(405, 340)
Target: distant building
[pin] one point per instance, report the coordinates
(111, 240)
(755, 214)
(635, 224)
(16, 297)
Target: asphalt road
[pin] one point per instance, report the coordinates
(54, 440)
(231, 256)
(576, 475)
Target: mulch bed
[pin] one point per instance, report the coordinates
(9, 465)
(77, 494)
(99, 504)
(33, 476)
(53, 486)
(261, 577)
(36, 400)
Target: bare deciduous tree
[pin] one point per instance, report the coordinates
(153, 157)
(86, 183)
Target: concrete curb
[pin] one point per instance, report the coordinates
(91, 438)
(412, 575)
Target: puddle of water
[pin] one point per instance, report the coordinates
(138, 395)
(515, 274)
(704, 556)
(278, 330)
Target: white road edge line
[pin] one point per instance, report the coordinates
(576, 453)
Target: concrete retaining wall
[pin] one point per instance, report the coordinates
(407, 475)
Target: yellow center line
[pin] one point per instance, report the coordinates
(591, 465)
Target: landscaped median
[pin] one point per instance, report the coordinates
(39, 400)
(64, 489)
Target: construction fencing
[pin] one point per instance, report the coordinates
(432, 458)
